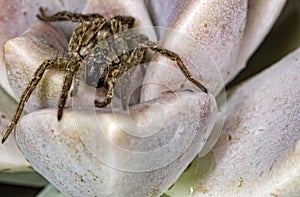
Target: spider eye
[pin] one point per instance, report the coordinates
(105, 51)
(96, 50)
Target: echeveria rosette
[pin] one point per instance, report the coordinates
(228, 30)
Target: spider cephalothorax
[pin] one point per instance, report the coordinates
(97, 45)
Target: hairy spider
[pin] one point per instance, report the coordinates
(96, 45)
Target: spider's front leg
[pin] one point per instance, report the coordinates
(71, 70)
(58, 63)
(118, 23)
(68, 16)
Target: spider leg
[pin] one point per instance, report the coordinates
(68, 16)
(76, 82)
(81, 39)
(125, 20)
(144, 42)
(72, 68)
(57, 63)
(109, 95)
(85, 31)
(118, 22)
(135, 58)
(116, 26)
(173, 56)
(80, 45)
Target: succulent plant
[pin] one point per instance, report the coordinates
(174, 139)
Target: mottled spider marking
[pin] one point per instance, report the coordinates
(106, 60)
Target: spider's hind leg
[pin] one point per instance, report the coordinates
(173, 56)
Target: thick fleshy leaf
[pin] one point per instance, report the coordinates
(50, 191)
(207, 36)
(217, 27)
(109, 9)
(216, 32)
(118, 154)
(11, 158)
(260, 19)
(258, 151)
(228, 30)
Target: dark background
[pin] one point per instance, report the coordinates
(18, 191)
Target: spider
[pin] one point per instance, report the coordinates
(96, 45)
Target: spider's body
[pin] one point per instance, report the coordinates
(98, 47)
